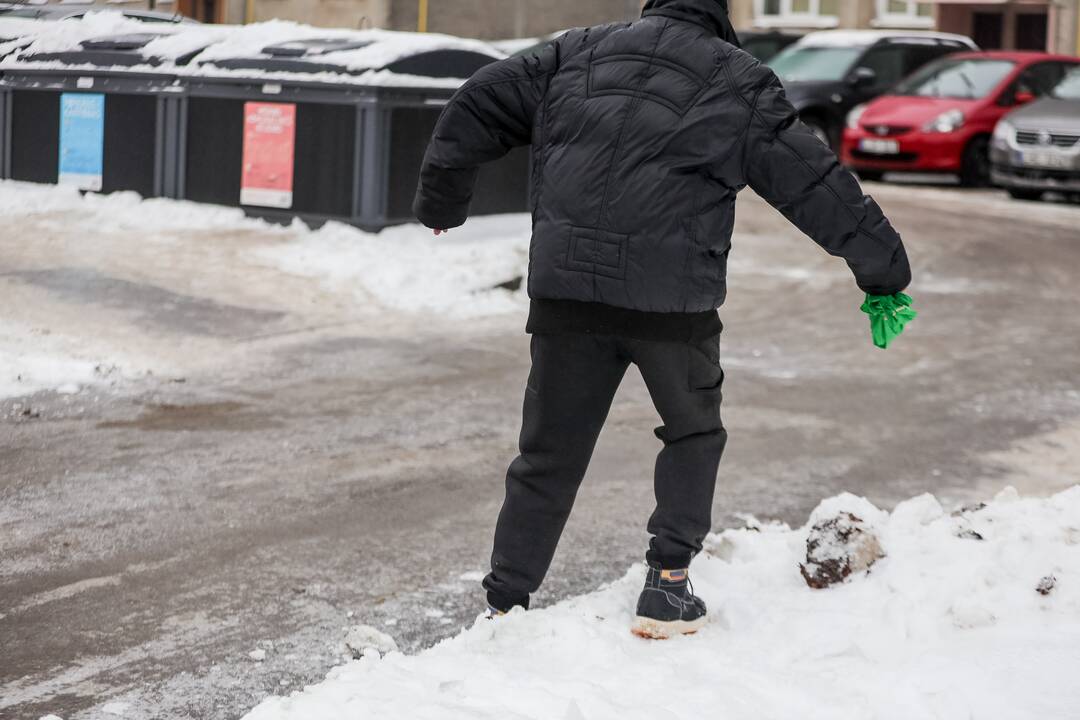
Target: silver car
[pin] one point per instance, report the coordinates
(1037, 147)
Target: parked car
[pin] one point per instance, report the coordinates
(1037, 147)
(828, 73)
(942, 117)
(74, 12)
(764, 44)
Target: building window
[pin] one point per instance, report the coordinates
(796, 13)
(904, 14)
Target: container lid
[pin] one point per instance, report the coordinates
(124, 50)
(273, 50)
(339, 55)
(314, 46)
(107, 39)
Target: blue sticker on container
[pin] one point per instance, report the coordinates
(82, 139)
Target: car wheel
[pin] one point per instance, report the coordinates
(975, 163)
(820, 130)
(1024, 193)
(870, 175)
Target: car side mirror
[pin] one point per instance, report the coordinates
(1022, 97)
(862, 77)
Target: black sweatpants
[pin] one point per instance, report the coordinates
(573, 380)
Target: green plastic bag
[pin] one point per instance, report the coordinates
(888, 316)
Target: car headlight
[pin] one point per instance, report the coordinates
(947, 122)
(854, 115)
(1003, 132)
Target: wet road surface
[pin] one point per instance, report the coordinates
(310, 467)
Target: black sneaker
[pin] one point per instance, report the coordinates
(667, 606)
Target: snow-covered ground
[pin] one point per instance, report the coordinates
(403, 270)
(948, 625)
(336, 390)
(33, 359)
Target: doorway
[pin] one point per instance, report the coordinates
(988, 29)
(1031, 31)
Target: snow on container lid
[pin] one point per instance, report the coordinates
(108, 39)
(15, 28)
(17, 33)
(286, 50)
(114, 50)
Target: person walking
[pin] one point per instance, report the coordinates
(641, 134)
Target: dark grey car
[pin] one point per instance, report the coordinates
(1037, 147)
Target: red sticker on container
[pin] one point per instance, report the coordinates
(269, 142)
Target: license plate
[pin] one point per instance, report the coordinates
(879, 147)
(1045, 159)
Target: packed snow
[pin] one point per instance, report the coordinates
(945, 625)
(33, 359)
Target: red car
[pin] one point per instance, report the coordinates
(941, 118)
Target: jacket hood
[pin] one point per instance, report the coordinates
(711, 14)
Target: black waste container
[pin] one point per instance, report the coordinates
(15, 34)
(328, 126)
(402, 127)
(101, 114)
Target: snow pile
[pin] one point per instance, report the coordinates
(33, 359)
(942, 627)
(363, 640)
(123, 211)
(407, 268)
(838, 547)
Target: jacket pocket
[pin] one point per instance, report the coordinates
(709, 240)
(597, 251)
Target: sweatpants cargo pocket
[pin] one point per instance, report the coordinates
(704, 373)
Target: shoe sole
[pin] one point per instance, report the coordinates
(651, 629)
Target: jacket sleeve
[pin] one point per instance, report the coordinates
(796, 173)
(490, 115)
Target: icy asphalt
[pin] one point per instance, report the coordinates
(306, 462)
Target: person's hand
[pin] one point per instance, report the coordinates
(439, 231)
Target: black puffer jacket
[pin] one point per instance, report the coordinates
(642, 134)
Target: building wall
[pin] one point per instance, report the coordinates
(353, 14)
(849, 14)
(1063, 26)
(494, 19)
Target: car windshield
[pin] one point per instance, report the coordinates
(1069, 87)
(807, 62)
(966, 78)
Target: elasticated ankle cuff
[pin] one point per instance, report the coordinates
(669, 562)
(504, 604)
